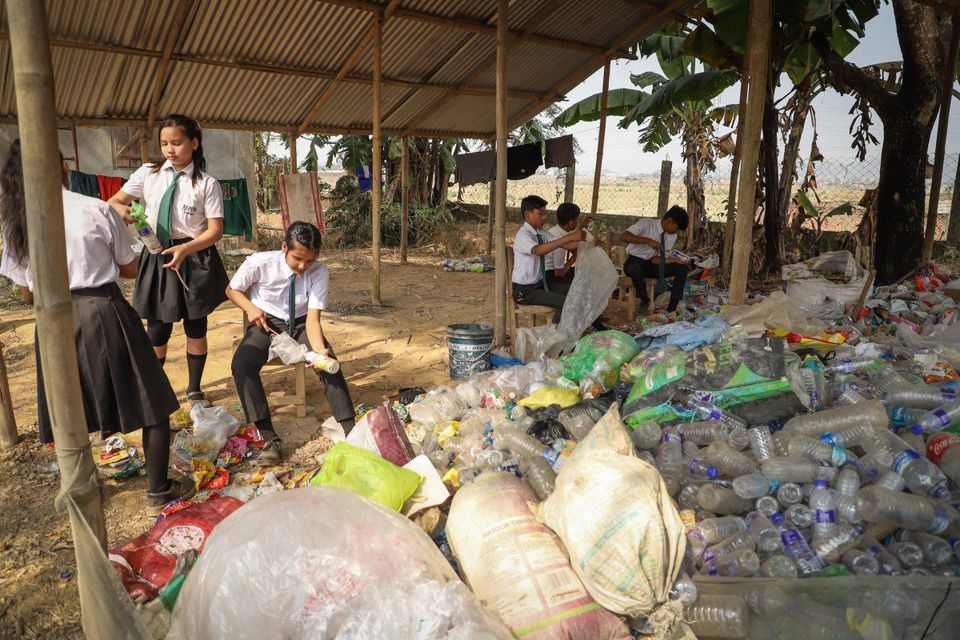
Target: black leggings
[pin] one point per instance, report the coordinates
(159, 331)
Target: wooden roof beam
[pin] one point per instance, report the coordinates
(174, 33)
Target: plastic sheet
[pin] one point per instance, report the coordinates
(318, 563)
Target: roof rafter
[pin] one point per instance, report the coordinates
(174, 34)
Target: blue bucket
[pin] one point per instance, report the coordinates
(469, 348)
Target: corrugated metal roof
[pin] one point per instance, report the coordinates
(107, 54)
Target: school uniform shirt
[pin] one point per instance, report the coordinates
(96, 240)
(526, 266)
(265, 277)
(649, 228)
(558, 257)
(192, 205)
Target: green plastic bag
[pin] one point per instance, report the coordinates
(367, 474)
(600, 356)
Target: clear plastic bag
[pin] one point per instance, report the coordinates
(321, 563)
(211, 428)
(286, 348)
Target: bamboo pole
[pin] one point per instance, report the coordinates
(404, 198)
(500, 327)
(8, 422)
(570, 182)
(663, 197)
(758, 35)
(491, 214)
(292, 139)
(600, 138)
(946, 97)
(80, 491)
(377, 174)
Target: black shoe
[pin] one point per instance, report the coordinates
(197, 398)
(176, 490)
(270, 454)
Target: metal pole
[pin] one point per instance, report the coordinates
(377, 175)
(600, 138)
(500, 327)
(404, 198)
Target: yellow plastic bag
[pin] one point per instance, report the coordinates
(546, 396)
(367, 474)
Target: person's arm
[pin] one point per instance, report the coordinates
(26, 294)
(569, 242)
(255, 314)
(632, 238)
(315, 332)
(206, 239)
(120, 203)
(129, 270)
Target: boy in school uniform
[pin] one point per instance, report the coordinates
(560, 263)
(531, 247)
(649, 240)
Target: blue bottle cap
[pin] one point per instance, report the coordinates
(713, 472)
(916, 429)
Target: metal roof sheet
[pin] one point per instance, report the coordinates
(268, 64)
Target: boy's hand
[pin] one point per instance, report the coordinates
(655, 245)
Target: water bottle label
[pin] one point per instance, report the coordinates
(670, 437)
(144, 232)
(789, 537)
(941, 519)
(838, 456)
(903, 459)
(824, 516)
(844, 367)
(940, 490)
(551, 456)
(942, 416)
(949, 395)
(708, 555)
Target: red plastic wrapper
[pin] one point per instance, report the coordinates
(251, 434)
(382, 432)
(146, 563)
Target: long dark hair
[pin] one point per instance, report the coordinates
(191, 129)
(306, 234)
(13, 212)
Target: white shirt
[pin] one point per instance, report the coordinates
(526, 266)
(649, 228)
(97, 242)
(192, 205)
(558, 257)
(265, 276)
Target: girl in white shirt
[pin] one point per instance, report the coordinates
(184, 206)
(281, 291)
(122, 384)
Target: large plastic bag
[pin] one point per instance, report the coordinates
(807, 287)
(211, 428)
(368, 475)
(600, 355)
(440, 404)
(776, 312)
(624, 535)
(381, 432)
(286, 348)
(321, 563)
(519, 567)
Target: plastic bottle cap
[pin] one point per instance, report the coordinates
(776, 518)
(713, 472)
(820, 483)
(916, 429)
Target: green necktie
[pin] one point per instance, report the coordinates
(543, 265)
(292, 303)
(163, 215)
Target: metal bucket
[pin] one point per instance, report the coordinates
(469, 348)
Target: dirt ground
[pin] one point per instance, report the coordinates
(399, 344)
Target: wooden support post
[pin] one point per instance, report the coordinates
(491, 214)
(600, 138)
(500, 326)
(8, 422)
(570, 183)
(953, 231)
(663, 197)
(76, 147)
(946, 97)
(377, 168)
(757, 66)
(145, 145)
(292, 139)
(730, 228)
(404, 197)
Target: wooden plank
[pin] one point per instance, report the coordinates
(758, 64)
(500, 258)
(404, 197)
(292, 140)
(174, 33)
(377, 160)
(663, 194)
(600, 138)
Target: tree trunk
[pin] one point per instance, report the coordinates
(788, 170)
(694, 184)
(444, 187)
(772, 224)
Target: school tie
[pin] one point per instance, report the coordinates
(163, 215)
(662, 268)
(543, 265)
(291, 303)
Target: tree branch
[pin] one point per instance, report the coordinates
(847, 75)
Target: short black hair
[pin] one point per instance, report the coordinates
(532, 202)
(679, 215)
(566, 212)
(305, 234)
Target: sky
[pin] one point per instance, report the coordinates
(622, 154)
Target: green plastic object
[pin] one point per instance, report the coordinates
(138, 213)
(600, 355)
(367, 474)
(834, 571)
(170, 593)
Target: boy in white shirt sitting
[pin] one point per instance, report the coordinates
(560, 262)
(649, 240)
(531, 246)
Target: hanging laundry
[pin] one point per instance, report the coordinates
(109, 185)
(559, 152)
(523, 160)
(300, 199)
(475, 168)
(364, 178)
(84, 183)
(236, 209)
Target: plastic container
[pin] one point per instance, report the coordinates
(918, 396)
(830, 549)
(802, 446)
(701, 469)
(721, 500)
(936, 550)
(908, 553)
(939, 419)
(321, 362)
(860, 562)
(730, 461)
(767, 505)
(906, 511)
(799, 515)
(778, 566)
(838, 419)
(761, 442)
(789, 493)
(752, 485)
(704, 433)
(539, 475)
(765, 535)
(669, 453)
(143, 230)
(718, 616)
(469, 346)
(797, 548)
(791, 469)
(646, 435)
(824, 508)
(740, 563)
(943, 450)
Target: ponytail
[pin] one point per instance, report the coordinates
(191, 129)
(13, 212)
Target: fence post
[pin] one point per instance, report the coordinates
(571, 178)
(8, 422)
(663, 199)
(953, 232)
(491, 213)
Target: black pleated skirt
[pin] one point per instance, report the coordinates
(159, 294)
(121, 381)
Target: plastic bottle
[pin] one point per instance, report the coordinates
(684, 590)
(918, 396)
(847, 508)
(752, 485)
(766, 536)
(738, 438)
(321, 362)
(669, 454)
(908, 553)
(824, 508)
(690, 449)
(921, 475)
(721, 500)
(539, 475)
(778, 566)
(761, 443)
(797, 548)
(943, 450)
(848, 482)
(888, 378)
(741, 563)
(888, 563)
(802, 446)
(852, 437)
(700, 468)
(730, 461)
(793, 469)
(519, 443)
(891, 480)
(845, 537)
(739, 540)
(799, 515)
(714, 530)
(838, 419)
(703, 433)
(688, 497)
(860, 562)
(936, 550)
(767, 505)
(718, 616)
(577, 421)
(143, 229)
(943, 417)
(646, 435)
(849, 396)
(846, 366)
(906, 511)
(789, 493)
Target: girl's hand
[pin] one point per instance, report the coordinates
(124, 211)
(257, 316)
(179, 253)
